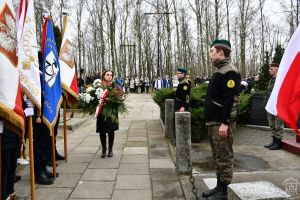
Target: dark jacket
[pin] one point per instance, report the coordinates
(222, 98)
(182, 95)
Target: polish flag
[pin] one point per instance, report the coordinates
(284, 101)
(11, 110)
(67, 66)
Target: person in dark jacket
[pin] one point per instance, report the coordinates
(10, 146)
(220, 111)
(183, 90)
(107, 125)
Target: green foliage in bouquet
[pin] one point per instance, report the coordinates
(113, 105)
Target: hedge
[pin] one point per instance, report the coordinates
(197, 100)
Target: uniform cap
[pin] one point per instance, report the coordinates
(274, 65)
(182, 70)
(221, 42)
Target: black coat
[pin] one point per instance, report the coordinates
(107, 125)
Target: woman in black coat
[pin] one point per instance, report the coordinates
(107, 125)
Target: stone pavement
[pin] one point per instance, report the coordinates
(141, 167)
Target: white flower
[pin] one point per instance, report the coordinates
(99, 93)
(89, 89)
(86, 97)
(97, 83)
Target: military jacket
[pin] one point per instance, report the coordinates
(222, 98)
(182, 95)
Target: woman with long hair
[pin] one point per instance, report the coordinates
(107, 124)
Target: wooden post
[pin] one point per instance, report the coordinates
(53, 153)
(32, 178)
(65, 130)
(1, 165)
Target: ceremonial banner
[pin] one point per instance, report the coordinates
(285, 97)
(67, 66)
(51, 84)
(28, 64)
(11, 110)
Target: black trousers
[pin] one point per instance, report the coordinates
(9, 171)
(111, 138)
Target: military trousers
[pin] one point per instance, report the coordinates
(277, 125)
(222, 151)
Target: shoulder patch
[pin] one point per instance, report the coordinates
(230, 84)
(185, 87)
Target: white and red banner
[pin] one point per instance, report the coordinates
(28, 63)
(101, 103)
(285, 97)
(67, 66)
(11, 110)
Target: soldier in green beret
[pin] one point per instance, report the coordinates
(182, 95)
(275, 123)
(220, 111)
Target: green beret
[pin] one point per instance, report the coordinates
(182, 70)
(221, 42)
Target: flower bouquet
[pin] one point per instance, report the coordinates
(103, 98)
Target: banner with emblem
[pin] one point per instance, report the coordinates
(67, 66)
(51, 83)
(28, 64)
(11, 110)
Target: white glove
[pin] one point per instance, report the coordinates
(1, 126)
(29, 104)
(29, 112)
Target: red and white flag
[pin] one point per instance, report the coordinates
(285, 97)
(28, 63)
(11, 110)
(67, 66)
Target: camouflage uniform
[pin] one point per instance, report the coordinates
(182, 94)
(275, 123)
(221, 106)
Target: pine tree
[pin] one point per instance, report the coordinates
(278, 54)
(264, 76)
(58, 37)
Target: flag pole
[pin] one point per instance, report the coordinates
(53, 153)
(32, 179)
(1, 165)
(65, 130)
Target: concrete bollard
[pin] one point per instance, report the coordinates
(183, 142)
(169, 119)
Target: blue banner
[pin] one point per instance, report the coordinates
(51, 83)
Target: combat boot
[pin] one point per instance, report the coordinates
(271, 144)
(212, 191)
(276, 145)
(221, 193)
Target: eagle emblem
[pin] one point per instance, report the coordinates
(8, 35)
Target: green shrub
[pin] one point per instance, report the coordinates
(197, 100)
(159, 98)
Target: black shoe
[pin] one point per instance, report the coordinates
(276, 145)
(271, 144)
(221, 193)
(44, 180)
(212, 191)
(50, 174)
(17, 178)
(103, 154)
(59, 157)
(50, 164)
(110, 153)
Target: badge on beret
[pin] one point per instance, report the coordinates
(185, 87)
(230, 84)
